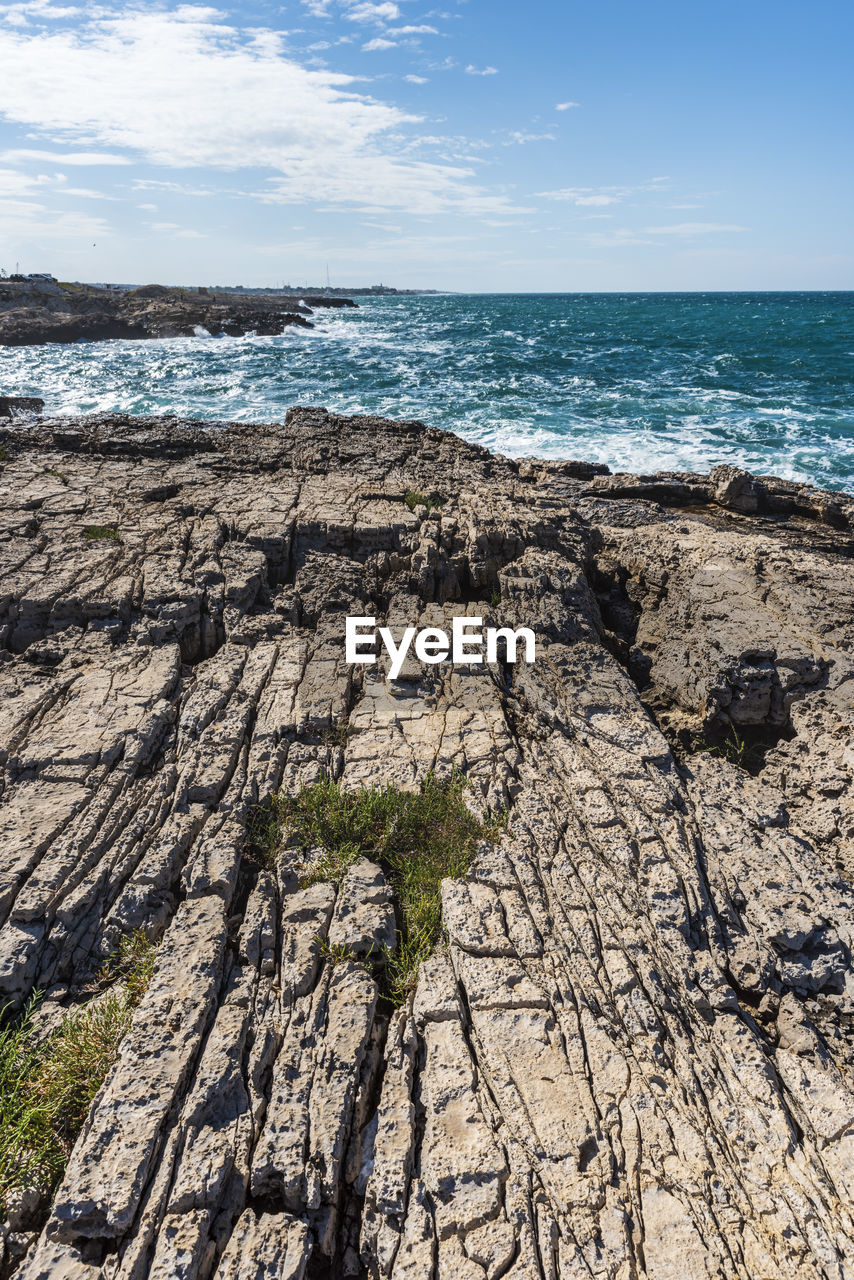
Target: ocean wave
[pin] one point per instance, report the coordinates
(639, 383)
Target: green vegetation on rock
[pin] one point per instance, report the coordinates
(432, 501)
(418, 838)
(96, 532)
(47, 1085)
(733, 747)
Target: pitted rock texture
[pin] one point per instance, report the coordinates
(632, 1057)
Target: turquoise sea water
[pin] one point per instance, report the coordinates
(639, 381)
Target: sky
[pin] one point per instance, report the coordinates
(481, 145)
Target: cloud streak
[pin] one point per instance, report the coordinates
(694, 229)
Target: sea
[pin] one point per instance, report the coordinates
(642, 382)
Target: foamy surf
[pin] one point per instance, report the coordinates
(639, 382)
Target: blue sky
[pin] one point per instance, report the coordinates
(476, 145)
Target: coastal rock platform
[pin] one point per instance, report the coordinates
(632, 1054)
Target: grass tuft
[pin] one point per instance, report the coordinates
(4, 455)
(733, 747)
(97, 532)
(60, 475)
(432, 501)
(132, 963)
(337, 953)
(47, 1086)
(418, 838)
(336, 735)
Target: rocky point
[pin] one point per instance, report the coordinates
(34, 312)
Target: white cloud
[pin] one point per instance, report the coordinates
(413, 31)
(618, 237)
(485, 71)
(587, 195)
(15, 183)
(64, 157)
(186, 90)
(685, 230)
(374, 46)
(175, 229)
(86, 193)
(565, 106)
(417, 79)
(385, 12)
(20, 14)
(27, 226)
(693, 229)
(419, 187)
(518, 137)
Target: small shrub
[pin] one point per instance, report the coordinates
(30, 1155)
(76, 1061)
(432, 501)
(418, 838)
(96, 532)
(4, 456)
(60, 475)
(47, 1087)
(264, 835)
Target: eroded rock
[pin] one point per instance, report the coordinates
(633, 1055)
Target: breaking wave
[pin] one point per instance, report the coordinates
(641, 382)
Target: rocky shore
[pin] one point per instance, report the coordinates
(40, 311)
(630, 1055)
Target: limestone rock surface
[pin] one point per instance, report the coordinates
(632, 1057)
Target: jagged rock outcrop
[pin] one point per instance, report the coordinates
(35, 312)
(633, 1056)
(17, 406)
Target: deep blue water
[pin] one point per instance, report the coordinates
(639, 381)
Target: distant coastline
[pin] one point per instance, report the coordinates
(38, 309)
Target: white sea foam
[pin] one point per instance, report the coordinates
(631, 382)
